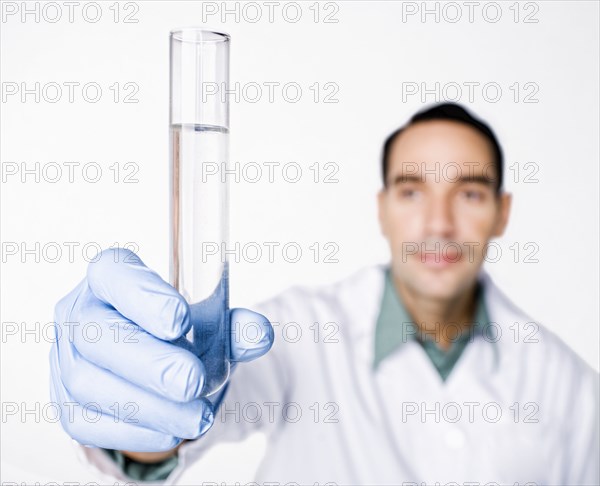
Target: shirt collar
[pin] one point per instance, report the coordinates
(395, 326)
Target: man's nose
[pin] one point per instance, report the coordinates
(439, 218)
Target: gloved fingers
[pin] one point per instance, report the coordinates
(88, 383)
(89, 426)
(102, 431)
(251, 335)
(111, 341)
(120, 279)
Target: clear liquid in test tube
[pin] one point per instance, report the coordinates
(199, 206)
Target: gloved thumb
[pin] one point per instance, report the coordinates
(251, 335)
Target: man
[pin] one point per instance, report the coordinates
(420, 372)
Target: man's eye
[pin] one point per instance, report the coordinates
(473, 195)
(407, 193)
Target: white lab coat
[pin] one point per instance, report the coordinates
(511, 411)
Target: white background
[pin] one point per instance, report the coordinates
(369, 53)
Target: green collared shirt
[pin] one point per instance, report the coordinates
(139, 471)
(395, 327)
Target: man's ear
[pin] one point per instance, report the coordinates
(381, 211)
(505, 202)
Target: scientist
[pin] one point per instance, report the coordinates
(418, 372)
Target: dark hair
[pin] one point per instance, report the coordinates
(454, 112)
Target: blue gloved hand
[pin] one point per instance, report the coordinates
(120, 368)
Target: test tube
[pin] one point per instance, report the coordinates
(199, 202)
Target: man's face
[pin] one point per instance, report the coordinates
(440, 209)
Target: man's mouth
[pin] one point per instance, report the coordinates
(442, 259)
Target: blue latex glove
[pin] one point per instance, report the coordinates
(121, 369)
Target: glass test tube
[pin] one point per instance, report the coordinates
(199, 212)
